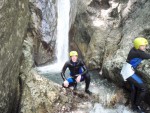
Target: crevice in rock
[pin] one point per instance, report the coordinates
(20, 90)
(16, 107)
(105, 50)
(73, 45)
(100, 3)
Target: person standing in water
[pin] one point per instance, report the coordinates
(78, 73)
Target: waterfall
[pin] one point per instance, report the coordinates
(61, 51)
(62, 31)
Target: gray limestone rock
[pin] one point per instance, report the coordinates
(104, 32)
(42, 30)
(14, 17)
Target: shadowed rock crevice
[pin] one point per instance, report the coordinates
(104, 4)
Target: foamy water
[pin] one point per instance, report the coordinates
(53, 68)
(98, 108)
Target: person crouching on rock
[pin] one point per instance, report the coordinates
(135, 56)
(78, 73)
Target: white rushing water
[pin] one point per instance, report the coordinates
(98, 108)
(63, 10)
(62, 31)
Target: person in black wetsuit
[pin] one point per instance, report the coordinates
(78, 72)
(135, 56)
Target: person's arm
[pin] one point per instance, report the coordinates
(63, 71)
(85, 70)
(144, 55)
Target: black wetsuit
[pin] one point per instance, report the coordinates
(137, 86)
(76, 68)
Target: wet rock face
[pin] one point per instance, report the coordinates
(136, 24)
(104, 35)
(104, 32)
(73, 11)
(14, 16)
(94, 29)
(42, 29)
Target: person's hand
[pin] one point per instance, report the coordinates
(78, 78)
(66, 83)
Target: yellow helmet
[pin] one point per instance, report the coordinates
(73, 53)
(139, 42)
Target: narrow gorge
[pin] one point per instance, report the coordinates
(36, 37)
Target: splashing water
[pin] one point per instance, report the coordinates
(98, 108)
(63, 9)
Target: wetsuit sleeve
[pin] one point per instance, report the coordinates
(85, 70)
(63, 71)
(144, 55)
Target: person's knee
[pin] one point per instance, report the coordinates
(65, 84)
